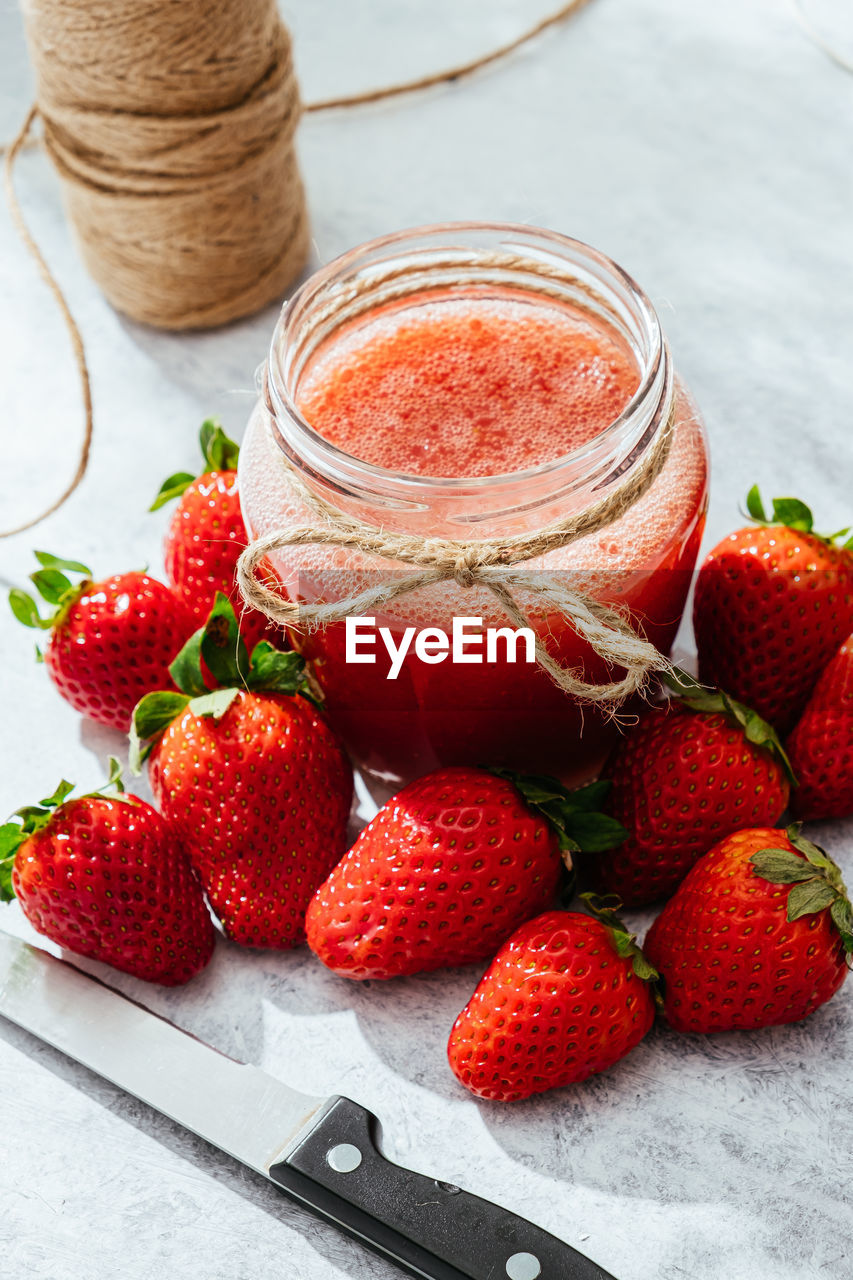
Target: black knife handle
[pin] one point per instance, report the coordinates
(430, 1229)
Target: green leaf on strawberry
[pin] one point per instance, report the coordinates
(810, 896)
(699, 697)
(591, 797)
(25, 609)
(781, 866)
(219, 647)
(186, 670)
(220, 453)
(606, 910)
(51, 585)
(222, 646)
(213, 705)
(574, 815)
(48, 561)
(157, 710)
(55, 589)
(793, 514)
(755, 506)
(152, 716)
(790, 512)
(842, 914)
(276, 671)
(815, 879)
(11, 840)
(218, 450)
(593, 832)
(65, 788)
(172, 487)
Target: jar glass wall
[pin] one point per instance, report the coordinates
(507, 713)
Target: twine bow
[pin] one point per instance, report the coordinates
(489, 563)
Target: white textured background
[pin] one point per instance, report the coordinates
(707, 148)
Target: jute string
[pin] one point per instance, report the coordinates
(839, 56)
(171, 126)
(491, 563)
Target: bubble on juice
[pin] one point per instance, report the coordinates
(468, 386)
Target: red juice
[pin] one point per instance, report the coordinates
(458, 385)
(468, 386)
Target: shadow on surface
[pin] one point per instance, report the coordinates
(330, 1244)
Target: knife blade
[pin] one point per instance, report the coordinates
(321, 1152)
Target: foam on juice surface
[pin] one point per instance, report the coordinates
(473, 386)
(468, 386)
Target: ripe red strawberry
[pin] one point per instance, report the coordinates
(567, 996)
(207, 534)
(448, 868)
(757, 935)
(110, 642)
(821, 744)
(254, 776)
(693, 770)
(772, 605)
(106, 877)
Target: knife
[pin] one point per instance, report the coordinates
(321, 1152)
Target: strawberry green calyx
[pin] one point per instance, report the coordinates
(575, 815)
(816, 883)
(55, 588)
(698, 697)
(606, 910)
(220, 453)
(33, 817)
(793, 514)
(220, 647)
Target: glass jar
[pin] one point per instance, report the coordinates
(499, 713)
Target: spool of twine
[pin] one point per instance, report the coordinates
(171, 126)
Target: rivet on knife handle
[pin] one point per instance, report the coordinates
(431, 1229)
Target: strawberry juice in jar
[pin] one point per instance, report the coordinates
(474, 381)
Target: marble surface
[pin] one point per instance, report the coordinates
(705, 147)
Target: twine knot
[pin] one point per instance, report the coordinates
(490, 563)
(465, 567)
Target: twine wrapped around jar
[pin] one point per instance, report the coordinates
(490, 563)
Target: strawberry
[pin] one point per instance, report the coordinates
(821, 744)
(207, 533)
(772, 605)
(254, 776)
(757, 935)
(567, 996)
(110, 642)
(448, 868)
(106, 877)
(693, 770)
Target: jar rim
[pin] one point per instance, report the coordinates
(302, 442)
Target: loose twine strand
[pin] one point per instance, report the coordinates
(450, 73)
(70, 324)
(490, 563)
(817, 38)
(79, 144)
